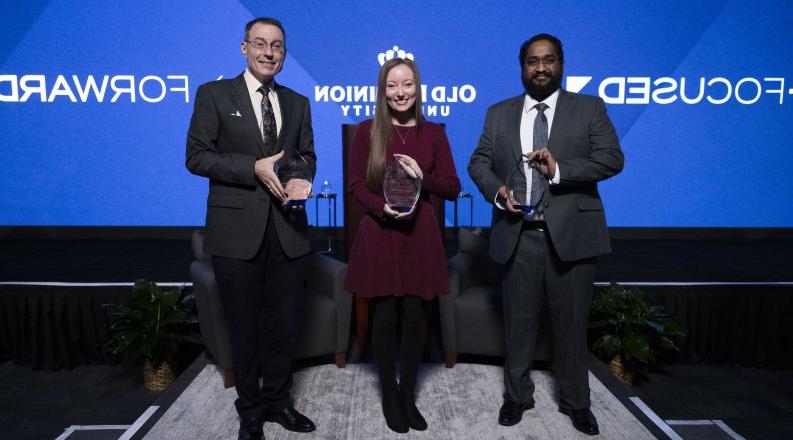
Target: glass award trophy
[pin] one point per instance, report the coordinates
(401, 191)
(519, 189)
(289, 168)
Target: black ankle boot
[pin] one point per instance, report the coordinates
(394, 412)
(414, 418)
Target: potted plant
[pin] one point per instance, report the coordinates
(151, 327)
(629, 333)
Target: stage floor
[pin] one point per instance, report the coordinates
(101, 402)
(458, 403)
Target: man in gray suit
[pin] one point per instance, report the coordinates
(548, 254)
(239, 129)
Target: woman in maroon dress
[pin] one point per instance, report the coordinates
(397, 258)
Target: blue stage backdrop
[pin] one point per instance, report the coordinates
(96, 97)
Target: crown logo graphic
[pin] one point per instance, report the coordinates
(382, 57)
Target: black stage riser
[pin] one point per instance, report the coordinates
(64, 326)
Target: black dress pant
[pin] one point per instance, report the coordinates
(259, 301)
(535, 274)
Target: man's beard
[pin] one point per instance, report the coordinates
(542, 91)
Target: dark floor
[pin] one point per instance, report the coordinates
(755, 403)
(41, 404)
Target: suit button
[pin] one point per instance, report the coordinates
(546, 204)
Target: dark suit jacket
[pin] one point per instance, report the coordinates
(585, 145)
(223, 147)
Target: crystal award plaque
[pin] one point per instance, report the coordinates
(290, 167)
(519, 189)
(401, 191)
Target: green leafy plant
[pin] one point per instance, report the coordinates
(151, 326)
(623, 323)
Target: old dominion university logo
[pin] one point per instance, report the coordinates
(359, 100)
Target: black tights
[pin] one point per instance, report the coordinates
(385, 318)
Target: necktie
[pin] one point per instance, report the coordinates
(540, 142)
(269, 130)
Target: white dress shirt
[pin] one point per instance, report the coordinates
(527, 129)
(256, 99)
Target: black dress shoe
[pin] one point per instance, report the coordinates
(414, 418)
(394, 412)
(291, 420)
(583, 420)
(251, 429)
(511, 412)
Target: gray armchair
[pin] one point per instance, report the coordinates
(325, 310)
(472, 318)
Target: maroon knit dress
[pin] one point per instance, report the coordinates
(401, 257)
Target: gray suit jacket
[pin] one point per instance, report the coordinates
(223, 147)
(584, 143)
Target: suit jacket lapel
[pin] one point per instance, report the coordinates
(244, 103)
(516, 113)
(285, 105)
(564, 109)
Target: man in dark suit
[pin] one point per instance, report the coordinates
(239, 129)
(549, 253)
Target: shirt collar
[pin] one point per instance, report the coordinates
(253, 84)
(529, 102)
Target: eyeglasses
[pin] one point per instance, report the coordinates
(276, 46)
(548, 60)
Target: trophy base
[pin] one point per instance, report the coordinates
(295, 203)
(526, 209)
(400, 208)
